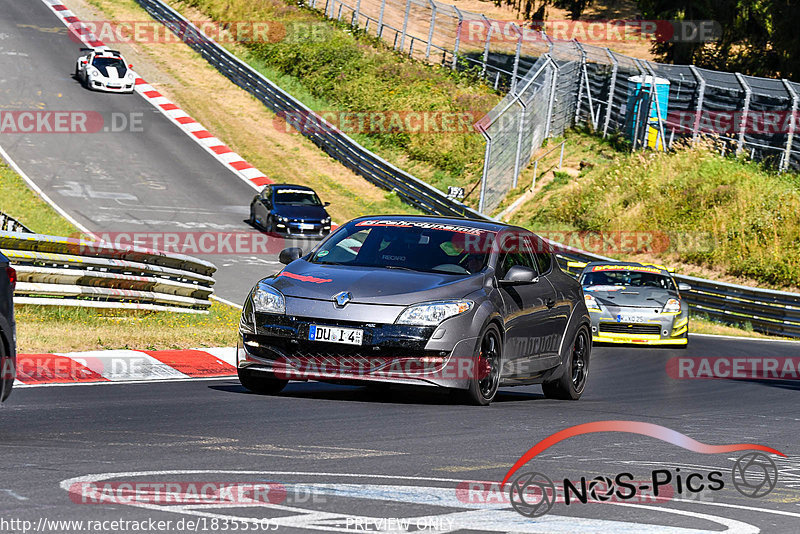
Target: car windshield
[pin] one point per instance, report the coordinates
(627, 278)
(409, 245)
(104, 62)
(297, 197)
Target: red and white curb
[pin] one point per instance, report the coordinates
(196, 131)
(106, 366)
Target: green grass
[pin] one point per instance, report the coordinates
(741, 219)
(342, 69)
(63, 329)
(20, 202)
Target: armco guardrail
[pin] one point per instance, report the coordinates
(338, 145)
(772, 312)
(10, 224)
(74, 272)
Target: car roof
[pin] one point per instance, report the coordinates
(290, 186)
(626, 265)
(456, 221)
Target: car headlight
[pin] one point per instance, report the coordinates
(591, 302)
(326, 220)
(672, 306)
(283, 219)
(267, 299)
(433, 313)
(92, 72)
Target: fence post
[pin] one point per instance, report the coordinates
(405, 24)
(515, 70)
(458, 36)
(747, 94)
(792, 125)
(612, 87)
(430, 31)
(488, 44)
(354, 22)
(380, 19)
(485, 174)
(552, 96)
(700, 100)
(519, 139)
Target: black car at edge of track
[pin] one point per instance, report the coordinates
(8, 329)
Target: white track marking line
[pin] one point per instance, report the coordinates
(36, 189)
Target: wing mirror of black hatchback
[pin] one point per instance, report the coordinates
(288, 255)
(519, 274)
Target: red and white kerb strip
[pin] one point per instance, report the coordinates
(124, 366)
(193, 129)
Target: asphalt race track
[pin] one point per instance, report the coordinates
(154, 180)
(338, 458)
(423, 442)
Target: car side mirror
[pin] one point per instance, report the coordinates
(326, 204)
(684, 287)
(519, 274)
(130, 65)
(288, 255)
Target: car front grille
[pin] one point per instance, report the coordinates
(630, 328)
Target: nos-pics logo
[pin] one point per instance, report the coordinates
(533, 494)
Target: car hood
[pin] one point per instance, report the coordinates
(301, 212)
(371, 285)
(639, 297)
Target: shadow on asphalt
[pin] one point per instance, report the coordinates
(390, 395)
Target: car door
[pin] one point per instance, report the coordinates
(564, 302)
(264, 205)
(530, 329)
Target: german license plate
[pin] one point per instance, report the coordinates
(334, 334)
(631, 319)
(306, 226)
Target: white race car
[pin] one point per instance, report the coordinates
(104, 70)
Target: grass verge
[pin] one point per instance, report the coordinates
(723, 218)
(20, 202)
(68, 329)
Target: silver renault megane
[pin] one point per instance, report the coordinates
(457, 303)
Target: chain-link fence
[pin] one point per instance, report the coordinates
(651, 103)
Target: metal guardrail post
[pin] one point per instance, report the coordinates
(380, 19)
(701, 90)
(357, 11)
(405, 24)
(552, 101)
(792, 125)
(488, 44)
(515, 70)
(747, 95)
(612, 87)
(430, 30)
(458, 36)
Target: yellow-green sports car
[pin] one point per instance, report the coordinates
(634, 303)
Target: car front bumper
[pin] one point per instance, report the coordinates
(108, 87)
(306, 229)
(639, 326)
(389, 353)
